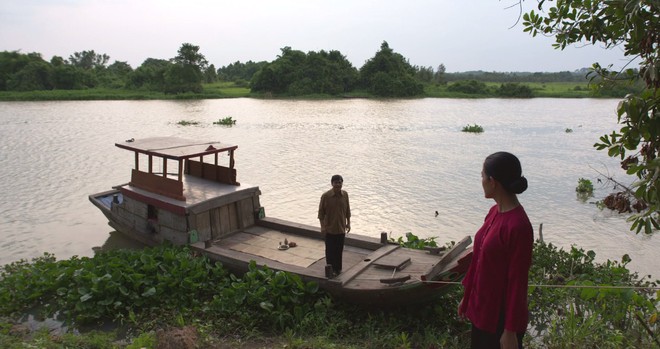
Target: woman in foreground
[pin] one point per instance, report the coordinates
(495, 298)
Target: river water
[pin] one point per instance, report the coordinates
(402, 160)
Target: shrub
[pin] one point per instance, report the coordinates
(468, 86)
(514, 90)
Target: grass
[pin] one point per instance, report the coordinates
(230, 90)
(544, 90)
(210, 91)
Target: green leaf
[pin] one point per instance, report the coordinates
(150, 292)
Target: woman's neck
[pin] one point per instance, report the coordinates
(507, 202)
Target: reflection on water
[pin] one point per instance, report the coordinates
(402, 160)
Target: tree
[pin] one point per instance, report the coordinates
(297, 73)
(400, 80)
(240, 71)
(188, 54)
(115, 75)
(186, 74)
(634, 26)
(36, 75)
(210, 74)
(424, 74)
(439, 76)
(89, 60)
(150, 75)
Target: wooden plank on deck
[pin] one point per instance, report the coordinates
(358, 268)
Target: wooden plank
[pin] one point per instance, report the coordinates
(216, 226)
(157, 184)
(245, 213)
(397, 262)
(225, 225)
(447, 258)
(358, 268)
(203, 224)
(224, 199)
(360, 241)
(233, 217)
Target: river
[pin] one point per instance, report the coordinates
(402, 160)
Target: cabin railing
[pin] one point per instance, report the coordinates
(157, 184)
(211, 172)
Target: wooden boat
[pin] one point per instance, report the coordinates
(195, 199)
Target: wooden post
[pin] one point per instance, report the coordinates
(164, 167)
(383, 237)
(151, 163)
(541, 232)
(137, 161)
(180, 169)
(231, 159)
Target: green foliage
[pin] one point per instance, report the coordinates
(240, 71)
(89, 60)
(413, 241)
(514, 90)
(264, 297)
(568, 130)
(473, 128)
(144, 340)
(180, 78)
(150, 75)
(227, 121)
(296, 73)
(110, 285)
(388, 74)
(581, 316)
(468, 86)
(187, 122)
(632, 25)
(169, 287)
(584, 186)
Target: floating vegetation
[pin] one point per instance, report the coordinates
(584, 186)
(473, 128)
(228, 121)
(187, 123)
(569, 130)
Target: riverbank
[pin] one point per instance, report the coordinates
(168, 295)
(230, 90)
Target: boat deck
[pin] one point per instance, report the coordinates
(363, 267)
(196, 191)
(309, 253)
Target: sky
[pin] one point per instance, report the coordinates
(464, 35)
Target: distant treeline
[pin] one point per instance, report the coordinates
(292, 73)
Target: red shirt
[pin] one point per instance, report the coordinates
(496, 281)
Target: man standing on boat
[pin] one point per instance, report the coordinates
(335, 218)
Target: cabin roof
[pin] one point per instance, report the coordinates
(174, 147)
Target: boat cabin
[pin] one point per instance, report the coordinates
(182, 191)
(183, 153)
